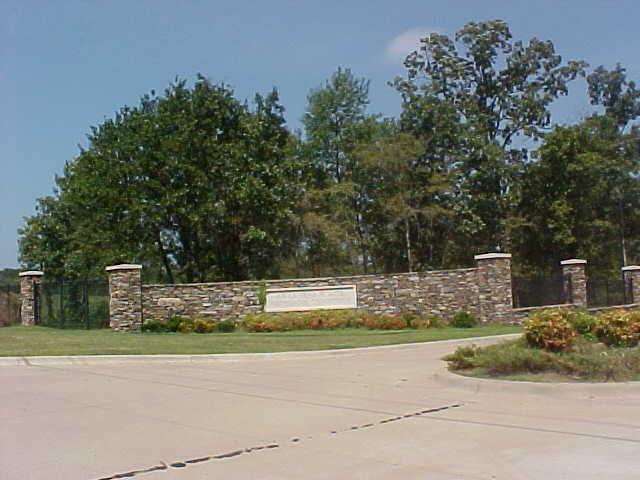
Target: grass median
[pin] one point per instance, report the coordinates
(31, 341)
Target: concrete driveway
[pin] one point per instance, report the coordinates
(391, 412)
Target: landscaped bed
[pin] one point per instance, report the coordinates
(560, 345)
(29, 341)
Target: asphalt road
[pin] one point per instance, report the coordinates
(391, 413)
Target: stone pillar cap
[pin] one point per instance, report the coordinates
(631, 268)
(31, 273)
(573, 261)
(488, 256)
(124, 266)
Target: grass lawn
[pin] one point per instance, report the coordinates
(29, 341)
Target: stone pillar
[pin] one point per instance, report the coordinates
(29, 294)
(632, 276)
(574, 281)
(125, 297)
(495, 302)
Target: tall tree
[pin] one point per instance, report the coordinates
(496, 90)
(580, 198)
(192, 183)
(336, 125)
(409, 199)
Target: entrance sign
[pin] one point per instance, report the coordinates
(299, 299)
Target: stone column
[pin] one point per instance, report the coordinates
(125, 297)
(632, 275)
(574, 281)
(495, 302)
(29, 289)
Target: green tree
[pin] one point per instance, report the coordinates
(580, 199)
(619, 96)
(193, 184)
(490, 91)
(409, 202)
(336, 125)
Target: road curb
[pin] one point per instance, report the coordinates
(221, 357)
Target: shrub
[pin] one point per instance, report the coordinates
(173, 323)
(618, 328)
(420, 322)
(586, 361)
(581, 321)
(186, 326)
(202, 325)
(549, 329)
(330, 319)
(436, 322)
(153, 326)
(384, 322)
(226, 326)
(463, 319)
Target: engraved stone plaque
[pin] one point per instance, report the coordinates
(300, 299)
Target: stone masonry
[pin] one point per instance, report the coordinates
(632, 274)
(440, 293)
(575, 281)
(484, 291)
(495, 303)
(125, 297)
(29, 283)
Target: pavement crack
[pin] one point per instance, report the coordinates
(248, 450)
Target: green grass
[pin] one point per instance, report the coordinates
(29, 341)
(587, 361)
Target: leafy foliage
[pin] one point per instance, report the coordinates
(488, 90)
(549, 329)
(464, 319)
(192, 184)
(618, 328)
(581, 321)
(197, 185)
(178, 324)
(619, 96)
(587, 361)
(328, 320)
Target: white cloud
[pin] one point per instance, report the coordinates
(404, 43)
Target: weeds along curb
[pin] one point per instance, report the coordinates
(477, 385)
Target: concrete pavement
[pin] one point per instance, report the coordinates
(368, 413)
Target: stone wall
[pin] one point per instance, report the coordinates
(440, 293)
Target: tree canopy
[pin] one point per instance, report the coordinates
(197, 184)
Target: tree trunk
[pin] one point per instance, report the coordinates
(408, 244)
(165, 259)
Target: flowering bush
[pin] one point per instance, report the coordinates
(618, 328)
(329, 320)
(201, 325)
(550, 329)
(384, 322)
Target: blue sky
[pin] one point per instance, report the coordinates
(65, 66)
